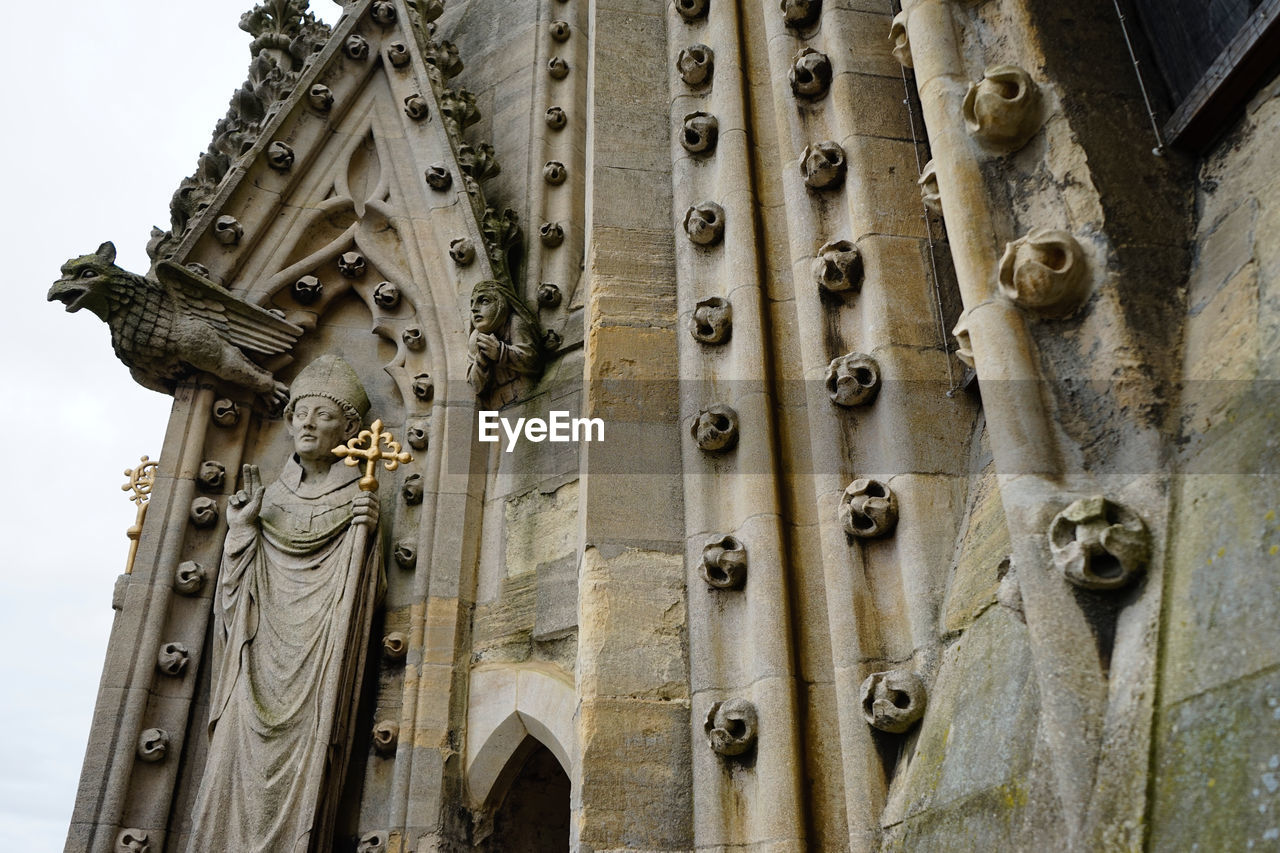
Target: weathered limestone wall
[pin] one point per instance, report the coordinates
(1217, 757)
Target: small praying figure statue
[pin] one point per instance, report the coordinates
(503, 343)
(301, 573)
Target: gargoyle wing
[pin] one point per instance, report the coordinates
(244, 324)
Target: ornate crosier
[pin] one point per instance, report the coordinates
(141, 481)
(366, 447)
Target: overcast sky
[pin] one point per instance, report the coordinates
(107, 107)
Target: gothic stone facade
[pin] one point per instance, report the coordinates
(936, 506)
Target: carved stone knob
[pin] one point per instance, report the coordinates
(320, 97)
(964, 341)
(412, 489)
(463, 251)
(551, 340)
(405, 554)
(307, 290)
(557, 68)
(280, 156)
(560, 30)
(204, 513)
(1045, 271)
(372, 842)
(892, 701)
(172, 659)
(153, 745)
(384, 12)
(549, 295)
(395, 646)
(1002, 110)
(414, 339)
(838, 267)
(398, 54)
(417, 435)
(189, 578)
(554, 173)
(691, 10)
(901, 43)
(356, 46)
(696, 64)
(439, 178)
(556, 118)
(1099, 544)
(810, 74)
(227, 230)
(930, 194)
(724, 563)
(868, 509)
(415, 107)
(352, 264)
(853, 379)
(133, 840)
(712, 320)
(387, 296)
(716, 429)
(211, 476)
(823, 165)
(704, 223)
(551, 234)
(731, 727)
(423, 388)
(225, 413)
(386, 734)
(699, 133)
(800, 13)
(200, 270)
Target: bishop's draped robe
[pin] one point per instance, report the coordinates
(293, 610)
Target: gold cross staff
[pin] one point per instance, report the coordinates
(141, 480)
(365, 448)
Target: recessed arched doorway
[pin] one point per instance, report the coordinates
(529, 812)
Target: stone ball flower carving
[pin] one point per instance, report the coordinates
(853, 379)
(1045, 271)
(280, 156)
(732, 727)
(868, 509)
(800, 13)
(200, 270)
(715, 429)
(894, 700)
(838, 267)
(462, 250)
(133, 840)
(307, 290)
(560, 30)
(356, 47)
(352, 264)
(1002, 110)
(211, 476)
(204, 513)
(423, 388)
(189, 578)
(1099, 544)
(413, 489)
(225, 413)
(395, 646)
(172, 659)
(386, 734)
(549, 295)
(320, 97)
(699, 133)
(398, 54)
(372, 842)
(551, 341)
(724, 563)
(823, 165)
(387, 296)
(692, 10)
(415, 107)
(227, 230)
(712, 320)
(417, 435)
(556, 118)
(153, 745)
(901, 42)
(810, 74)
(414, 339)
(439, 177)
(551, 234)
(558, 68)
(554, 173)
(384, 12)
(696, 64)
(704, 223)
(405, 554)
(930, 194)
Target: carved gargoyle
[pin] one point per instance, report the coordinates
(167, 329)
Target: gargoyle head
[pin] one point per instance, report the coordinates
(87, 280)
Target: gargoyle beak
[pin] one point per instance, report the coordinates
(69, 294)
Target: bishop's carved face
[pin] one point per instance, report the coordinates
(318, 425)
(488, 312)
